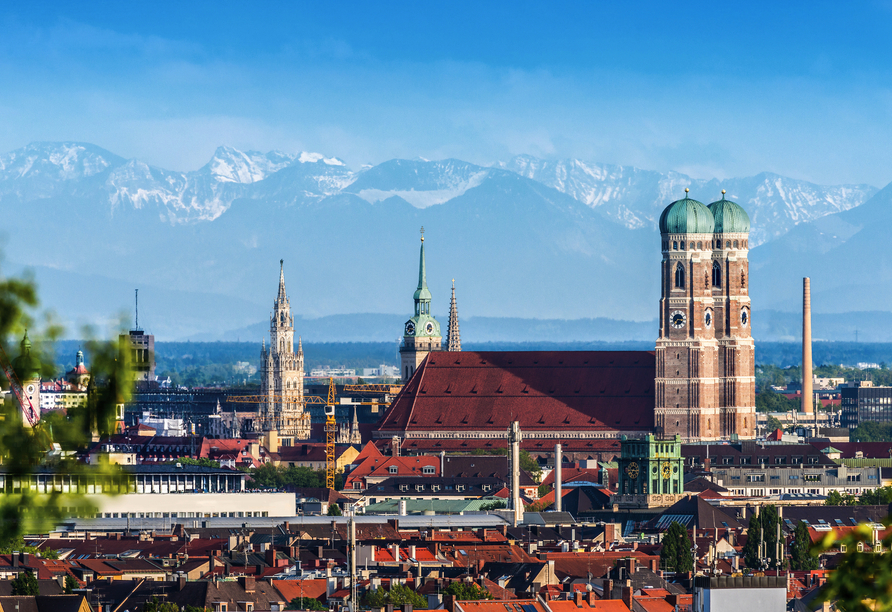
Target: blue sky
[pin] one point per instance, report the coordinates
(709, 89)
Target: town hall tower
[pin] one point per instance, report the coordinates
(282, 374)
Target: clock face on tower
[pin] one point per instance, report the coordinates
(632, 470)
(429, 328)
(677, 319)
(744, 316)
(410, 328)
(30, 389)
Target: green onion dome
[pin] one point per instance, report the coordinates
(730, 218)
(686, 216)
(26, 365)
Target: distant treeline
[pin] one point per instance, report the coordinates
(207, 363)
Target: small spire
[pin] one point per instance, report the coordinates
(453, 337)
(282, 295)
(300, 346)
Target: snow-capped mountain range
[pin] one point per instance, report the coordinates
(627, 195)
(524, 238)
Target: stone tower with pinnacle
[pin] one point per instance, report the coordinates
(453, 337)
(421, 334)
(281, 373)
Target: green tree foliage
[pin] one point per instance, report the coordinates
(877, 497)
(467, 591)
(23, 449)
(334, 510)
(269, 476)
(676, 555)
(862, 580)
(25, 584)
(544, 490)
(17, 544)
(70, 584)
(771, 401)
(398, 595)
(801, 557)
(774, 424)
(155, 605)
(835, 498)
(306, 603)
(493, 505)
(762, 530)
(871, 432)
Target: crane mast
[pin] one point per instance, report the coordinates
(330, 429)
(24, 401)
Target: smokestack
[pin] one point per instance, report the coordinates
(558, 482)
(514, 437)
(808, 398)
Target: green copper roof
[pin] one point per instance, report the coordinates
(730, 218)
(422, 293)
(686, 216)
(26, 365)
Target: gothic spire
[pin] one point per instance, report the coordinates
(453, 337)
(281, 280)
(300, 346)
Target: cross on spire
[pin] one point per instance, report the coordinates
(422, 233)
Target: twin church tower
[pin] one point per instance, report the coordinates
(704, 383)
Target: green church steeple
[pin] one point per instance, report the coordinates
(422, 332)
(422, 294)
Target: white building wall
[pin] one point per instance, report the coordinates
(188, 505)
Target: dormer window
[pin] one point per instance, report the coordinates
(393, 469)
(428, 469)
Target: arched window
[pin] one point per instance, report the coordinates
(727, 244)
(679, 276)
(674, 245)
(735, 244)
(699, 246)
(716, 274)
(682, 245)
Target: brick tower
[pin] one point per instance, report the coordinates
(704, 377)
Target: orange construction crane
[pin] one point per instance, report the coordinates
(16, 387)
(386, 389)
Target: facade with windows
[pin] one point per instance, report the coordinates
(865, 403)
(763, 480)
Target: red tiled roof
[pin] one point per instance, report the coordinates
(290, 589)
(654, 604)
(496, 605)
(545, 390)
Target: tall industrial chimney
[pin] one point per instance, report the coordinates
(558, 482)
(808, 398)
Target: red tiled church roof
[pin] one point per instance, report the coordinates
(543, 390)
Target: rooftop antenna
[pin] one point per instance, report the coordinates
(136, 325)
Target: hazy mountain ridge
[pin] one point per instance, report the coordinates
(636, 197)
(517, 247)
